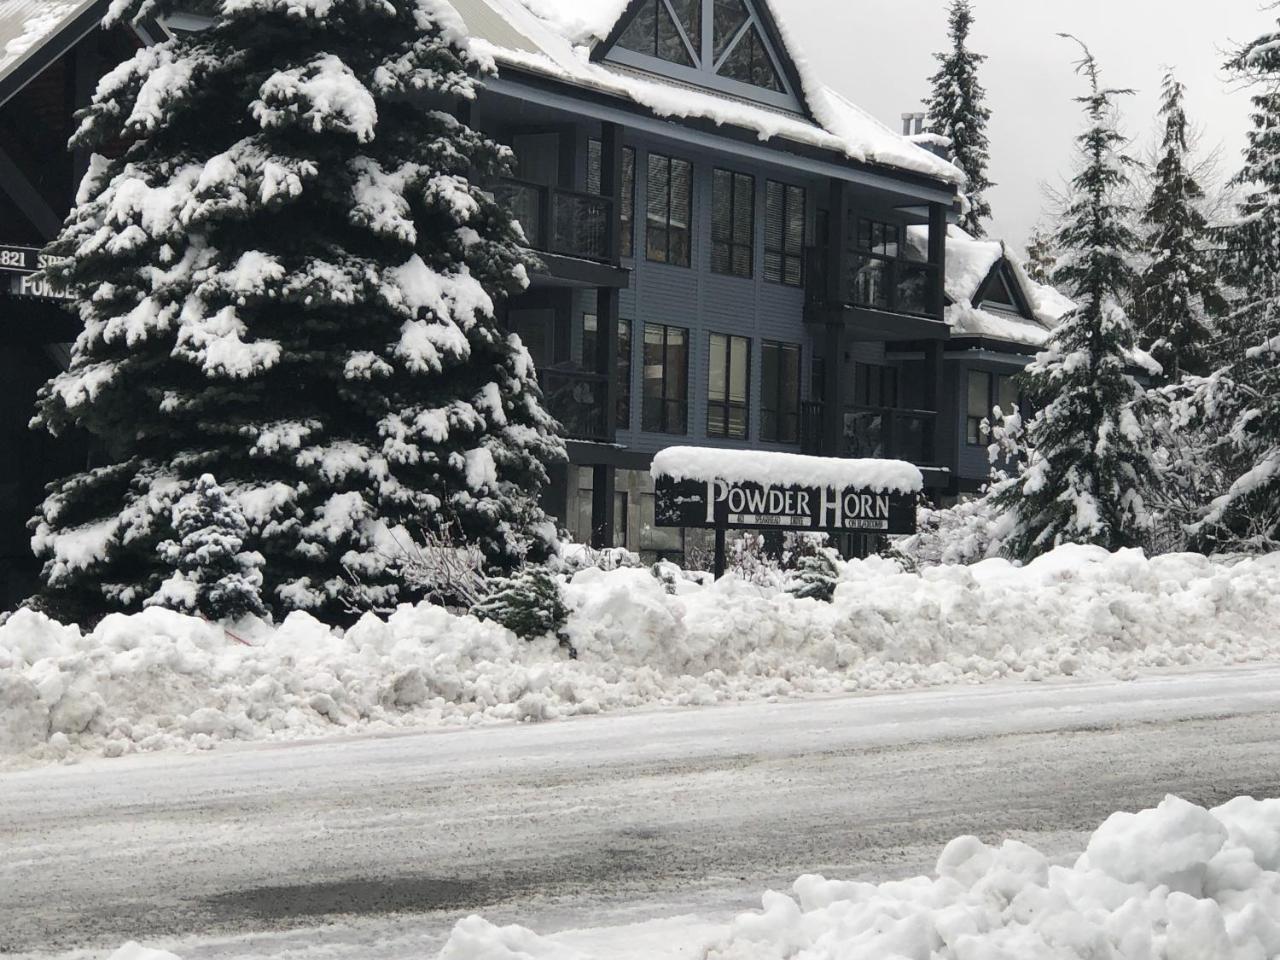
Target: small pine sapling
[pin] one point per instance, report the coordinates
(815, 576)
(529, 604)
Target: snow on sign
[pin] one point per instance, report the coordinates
(746, 489)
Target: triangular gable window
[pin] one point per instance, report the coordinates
(726, 45)
(654, 31)
(998, 292)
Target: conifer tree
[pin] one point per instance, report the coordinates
(214, 576)
(529, 604)
(1088, 461)
(1240, 400)
(1178, 293)
(957, 110)
(288, 280)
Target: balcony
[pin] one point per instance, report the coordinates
(579, 400)
(881, 298)
(872, 432)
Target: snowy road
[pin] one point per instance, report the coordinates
(372, 847)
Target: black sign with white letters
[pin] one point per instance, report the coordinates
(20, 263)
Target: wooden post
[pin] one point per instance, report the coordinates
(720, 551)
(603, 485)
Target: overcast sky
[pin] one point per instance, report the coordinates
(878, 52)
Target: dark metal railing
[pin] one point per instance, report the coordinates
(579, 400)
(886, 432)
(874, 282)
(812, 440)
(560, 221)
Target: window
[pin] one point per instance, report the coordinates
(727, 386)
(733, 223)
(878, 244)
(623, 413)
(628, 215)
(670, 31)
(875, 386)
(666, 379)
(980, 386)
(669, 210)
(784, 218)
(1007, 395)
(998, 294)
(779, 392)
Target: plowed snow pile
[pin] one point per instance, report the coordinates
(1177, 883)
(159, 679)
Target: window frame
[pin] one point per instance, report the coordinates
(775, 406)
(666, 399)
(972, 423)
(652, 224)
(731, 245)
(780, 250)
(726, 405)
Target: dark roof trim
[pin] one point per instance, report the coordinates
(51, 48)
(572, 98)
(962, 344)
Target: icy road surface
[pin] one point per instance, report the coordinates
(373, 847)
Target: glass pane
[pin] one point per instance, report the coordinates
(628, 201)
(979, 394)
(727, 19)
(717, 422)
(775, 215)
(912, 284)
(738, 421)
(721, 258)
(677, 365)
(658, 206)
(594, 154)
(640, 35)
(749, 62)
(722, 205)
(717, 382)
(681, 211)
(532, 329)
(1008, 397)
(690, 14)
(654, 358)
(744, 208)
(790, 395)
(671, 46)
(870, 283)
(741, 266)
(623, 413)
(794, 272)
(795, 220)
(773, 267)
(738, 363)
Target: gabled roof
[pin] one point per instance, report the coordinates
(556, 38)
(973, 267)
(34, 33)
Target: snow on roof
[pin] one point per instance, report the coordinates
(969, 263)
(767, 468)
(27, 24)
(554, 38)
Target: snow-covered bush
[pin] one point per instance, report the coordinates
(814, 575)
(529, 604)
(214, 576)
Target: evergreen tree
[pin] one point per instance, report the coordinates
(1042, 258)
(288, 280)
(1178, 292)
(815, 576)
(1241, 399)
(1088, 460)
(529, 604)
(957, 110)
(214, 576)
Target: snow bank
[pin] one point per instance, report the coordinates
(785, 469)
(160, 679)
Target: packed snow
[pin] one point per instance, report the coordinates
(786, 469)
(159, 679)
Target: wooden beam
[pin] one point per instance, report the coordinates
(27, 198)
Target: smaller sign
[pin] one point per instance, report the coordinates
(21, 263)
(744, 505)
(18, 259)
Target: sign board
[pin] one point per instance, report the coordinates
(19, 263)
(744, 505)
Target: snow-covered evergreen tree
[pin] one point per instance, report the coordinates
(815, 575)
(1088, 460)
(214, 576)
(529, 604)
(288, 280)
(1178, 293)
(957, 110)
(1241, 399)
(1042, 257)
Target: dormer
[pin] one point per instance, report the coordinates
(1002, 293)
(731, 47)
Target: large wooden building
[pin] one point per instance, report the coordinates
(734, 254)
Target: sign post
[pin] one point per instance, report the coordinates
(726, 490)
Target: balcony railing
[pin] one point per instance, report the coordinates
(559, 221)
(889, 433)
(812, 440)
(579, 400)
(875, 282)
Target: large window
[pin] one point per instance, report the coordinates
(784, 233)
(669, 210)
(779, 392)
(730, 371)
(987, 391)
(666, 379)
(628, 214)
(875, 386)
(623, 413)
(733, 223)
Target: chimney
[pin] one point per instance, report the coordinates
(913, 124)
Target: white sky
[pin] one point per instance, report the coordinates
(879, 53)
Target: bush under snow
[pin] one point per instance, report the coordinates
(160, 679)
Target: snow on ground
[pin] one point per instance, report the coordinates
(159, 679)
